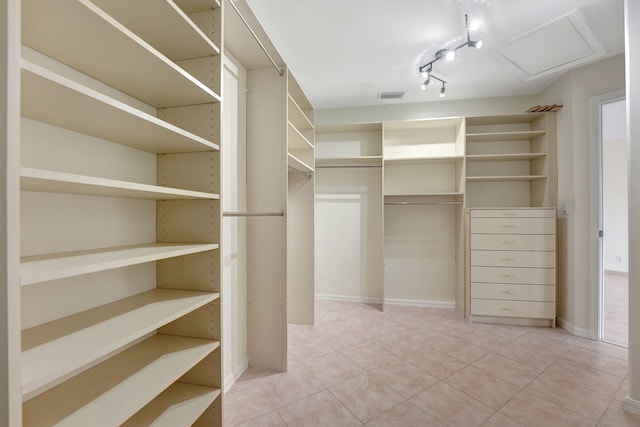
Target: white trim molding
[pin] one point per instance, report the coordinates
(234, 376)
(573, 330)
(420, 303)
(631, 405)
(348, 298)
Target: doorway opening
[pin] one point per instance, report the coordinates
(611, 193)
(615, 284)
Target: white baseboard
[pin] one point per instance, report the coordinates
(631, 405)
(573, 330)
(420, 303)
(348, 298)
(231, 379)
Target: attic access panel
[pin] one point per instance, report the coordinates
(564, 43)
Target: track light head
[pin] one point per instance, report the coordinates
(477, 44)
(450, 55)
(473, 25)
(442, 91)
(424, 85)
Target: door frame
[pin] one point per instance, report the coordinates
(596, 273)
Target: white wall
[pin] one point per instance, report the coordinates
(349, 234)
(632, 20)
(616, 214)
(578, 232)
(440, 108)
(234, 251)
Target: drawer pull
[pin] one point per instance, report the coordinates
(509, 242)
(510, 214)
(508, 226)
(509, 259)
(509, 276)
(509, 292)
(509, 309)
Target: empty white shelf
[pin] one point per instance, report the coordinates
(81, 35)
(180, 404)
(170, 31)
(350, 161)
(423, 194)
(418, 160)
(505, 178)
(297, 117)
(297, 141)
(73, 343)
(298, 165)
(59, 182)
(41, 268)
(51, 98)
(504, 136)
(110, 393)
(504, 157)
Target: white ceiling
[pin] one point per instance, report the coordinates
(345, 52)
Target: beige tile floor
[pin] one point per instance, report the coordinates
(616, 309)
(425, 367)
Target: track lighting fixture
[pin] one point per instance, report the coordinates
(449, 54)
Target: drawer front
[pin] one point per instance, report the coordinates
(513, 242)
(531, 276)
(513, 292)
(513, 259)
(512, 213)
(513, 225)
(528, 309)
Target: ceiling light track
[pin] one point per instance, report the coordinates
(449, 54)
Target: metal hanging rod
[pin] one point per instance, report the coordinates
(255, 36)
(246, 214)
(421, 203)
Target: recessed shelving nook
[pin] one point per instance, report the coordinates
(350, 145)
(120, 212)
(424, 158)
(424, 187)
(508, 160)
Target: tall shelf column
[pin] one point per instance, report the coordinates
(120, 212)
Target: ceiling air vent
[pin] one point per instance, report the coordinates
(392, 95)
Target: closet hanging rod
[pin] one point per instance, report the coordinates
(255, 36)
(247, 214)
(421, 203)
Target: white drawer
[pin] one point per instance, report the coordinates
(513, 225)
(513, 242)
(528, 309)
(513, 292)
(512, 213)
(513, 258)
(532, 276)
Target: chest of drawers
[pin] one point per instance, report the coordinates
(512, 265)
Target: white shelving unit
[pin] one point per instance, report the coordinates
(280, 178)
(424, 189)
(300, 205)
(511, 196)
(349, 212)
(509, 160)
(120, 213)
